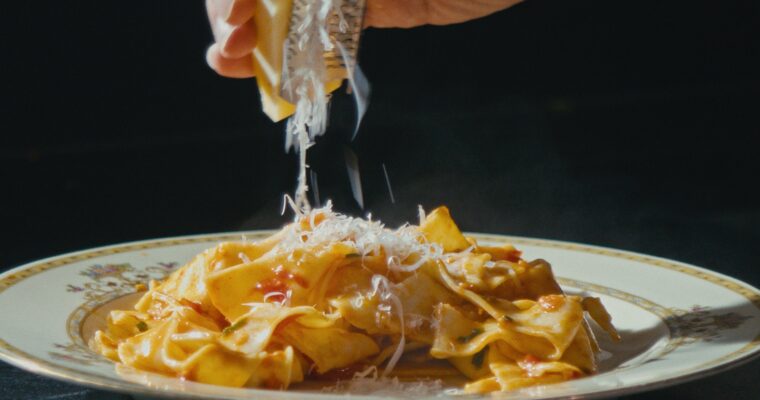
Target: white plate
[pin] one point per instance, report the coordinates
(678, 322)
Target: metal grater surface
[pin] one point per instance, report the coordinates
(344, 29)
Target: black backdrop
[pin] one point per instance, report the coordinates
(624, 124)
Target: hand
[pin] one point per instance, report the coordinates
(235, 33)
(235, 36)
(410, 13)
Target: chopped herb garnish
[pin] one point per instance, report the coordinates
(353, 255)
(507, 318)
(142, 326)
(237, 325)
(477, 359)
(465, 339)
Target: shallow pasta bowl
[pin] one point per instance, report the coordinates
(710, 323)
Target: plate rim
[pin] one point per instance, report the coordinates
(30, 363)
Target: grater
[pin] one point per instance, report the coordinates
(344, 27)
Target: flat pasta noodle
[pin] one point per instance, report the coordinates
(329, 294)
(418, 294)
(330, 348)
(251, 333)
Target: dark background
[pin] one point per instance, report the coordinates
(622, 124)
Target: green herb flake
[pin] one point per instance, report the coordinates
(465, 339)
(232, 328)
(142, 326)
(477, 359)
(507, 318)
(353, 255)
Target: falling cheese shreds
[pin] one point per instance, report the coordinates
(305, 81)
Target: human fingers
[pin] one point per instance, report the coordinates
(396, 13)
(410, 13)
(217, 13)
(443, 12)
(240, 41)
(240, 11)
(241, 67)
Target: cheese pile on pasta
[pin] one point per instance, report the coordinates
(333, 293)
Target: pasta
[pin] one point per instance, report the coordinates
(329, 294)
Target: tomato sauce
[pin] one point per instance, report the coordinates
(280, 283)
(513, 256)
(551, 302)
(195, 306)
(530, 359)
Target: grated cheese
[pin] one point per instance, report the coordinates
(384, 287)
(244, 257)
(369, 382)
(368, 237)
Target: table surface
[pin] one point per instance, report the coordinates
(579, 126)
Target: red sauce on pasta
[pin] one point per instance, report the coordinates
(195, 306)
(272, 285)
(280, 283)
(513, 256)
(551, 302)
(530, 359)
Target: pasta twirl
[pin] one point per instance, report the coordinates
(332, 293)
